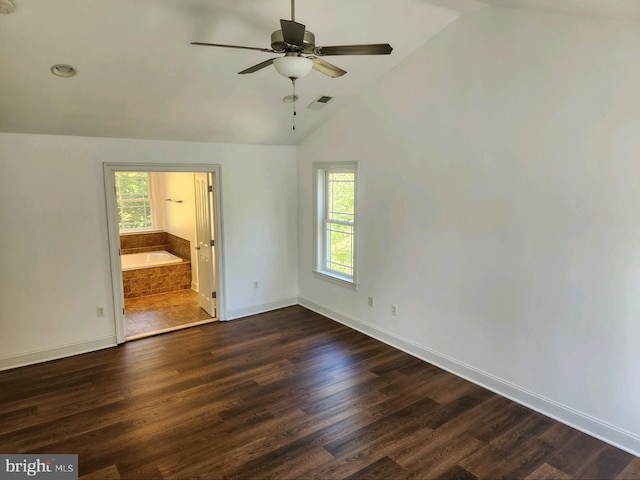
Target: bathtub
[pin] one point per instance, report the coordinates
(148, 259)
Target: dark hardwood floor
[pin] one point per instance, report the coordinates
(286, 394)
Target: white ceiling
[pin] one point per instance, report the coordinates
(614, 9)
(139, 77)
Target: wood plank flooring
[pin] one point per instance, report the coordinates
(286, 394)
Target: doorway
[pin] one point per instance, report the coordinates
(146, 301)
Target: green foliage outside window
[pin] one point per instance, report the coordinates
(340, 221)
(133, 200)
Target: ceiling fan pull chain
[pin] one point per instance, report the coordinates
(293, 119)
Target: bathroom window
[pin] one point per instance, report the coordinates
(134, 201)
(336, 222)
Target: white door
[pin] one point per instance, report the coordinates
(205, 242)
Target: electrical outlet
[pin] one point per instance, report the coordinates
(100, 312)
(371, 302)
(394, 310)
(255, 284)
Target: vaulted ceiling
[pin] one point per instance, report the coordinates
(139, 77)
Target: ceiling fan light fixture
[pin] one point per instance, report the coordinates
(293, 66)
(7, 6)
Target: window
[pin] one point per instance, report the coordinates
(134, 202)
(336, 221)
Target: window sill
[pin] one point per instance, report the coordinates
(336, 280)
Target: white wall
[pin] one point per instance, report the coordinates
(499, 209)
(180, 218)
(54, 260)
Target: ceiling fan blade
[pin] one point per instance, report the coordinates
(370, 49)
(326, 67)
(233, 46)
(257, 67)
(293, 32)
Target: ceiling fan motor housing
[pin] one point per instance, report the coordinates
(279, 45)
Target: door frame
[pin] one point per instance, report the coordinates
(109, 169)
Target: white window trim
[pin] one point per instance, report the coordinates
(158, 203)
(319, 170)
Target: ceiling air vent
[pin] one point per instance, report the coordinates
(319, 102)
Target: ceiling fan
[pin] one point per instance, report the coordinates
(301, 54)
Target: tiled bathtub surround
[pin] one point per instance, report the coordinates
(153, 280)
(179, 246)
(155, 248)
(161, 279)
(144, 242)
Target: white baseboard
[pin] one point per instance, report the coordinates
(46, 355)
(580, 421)
(264, 307)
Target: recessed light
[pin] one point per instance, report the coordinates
(62, 70)
(7, 6)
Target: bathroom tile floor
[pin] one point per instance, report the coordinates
(146, 316)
